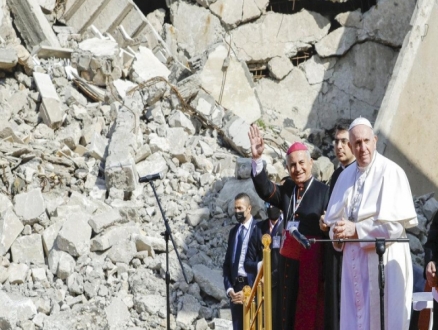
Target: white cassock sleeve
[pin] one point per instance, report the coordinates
(370, 229)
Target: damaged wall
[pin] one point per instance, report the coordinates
(409, 113)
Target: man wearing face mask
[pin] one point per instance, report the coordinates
(272, 226)
(235, 276)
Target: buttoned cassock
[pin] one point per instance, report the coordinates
(385, 209)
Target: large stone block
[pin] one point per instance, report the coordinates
(210, 281)
(15, 308)
(113, 236)
(29, 206)
(117, 314)
(147, 66)
(104, 220)
(8, 58)
(50, 108)
(28, 249)
(18, 273)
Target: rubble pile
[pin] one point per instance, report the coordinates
(95, 95)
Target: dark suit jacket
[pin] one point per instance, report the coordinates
(255, 249)
(228, 262)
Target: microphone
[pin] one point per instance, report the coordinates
(300, 238)
(150, 177)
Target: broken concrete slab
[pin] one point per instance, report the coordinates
(337, 42)
(97, 146)
(155, 163)
(112, 236)
(205, 105)
(32, 24)
(286, 35)
(197, 27)
(235, 135)
(49, 236)
(47, 5)
(43, 51)
(123, 251)
(317, 69)
(147, 66)
(237, 94)
(50, 108)
(194, 217)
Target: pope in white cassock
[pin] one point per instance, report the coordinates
(372, 198)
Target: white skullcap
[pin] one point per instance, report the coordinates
(360, 121)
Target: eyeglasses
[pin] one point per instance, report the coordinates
(343, 141)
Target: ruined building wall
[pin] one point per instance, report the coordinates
(407, 120)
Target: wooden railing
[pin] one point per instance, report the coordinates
(257, 302)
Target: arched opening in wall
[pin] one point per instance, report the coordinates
(148, 6)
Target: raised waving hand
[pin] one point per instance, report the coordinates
(256, 140)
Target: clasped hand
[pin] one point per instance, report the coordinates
(236, 297)
(344, 229)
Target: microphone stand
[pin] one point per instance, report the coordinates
(168, 234)
(380, 250)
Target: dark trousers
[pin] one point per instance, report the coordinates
(237, 309)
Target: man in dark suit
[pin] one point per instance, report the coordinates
(274, 227)
(332, 258)
(235, 276)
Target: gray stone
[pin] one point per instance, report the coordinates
(72, 96)
(39, 275)
(8, 58)
(194, 217)
(28, 249)
(317, 69)
(47, 5)
(243, 168)
(324, 167)
(206, 106)
(179, 119)
(84, 203)
(17, 273)
(70, 135)
(38, 320)
(74, 236)
(50, 108)
(97, 146)
(10, 227)
(75, 284)
(104, 220)
(149, 303)
(113, 236)
(49, 236)
(189, 311)
(279, 67)
(66, 265)
(210, 281)
(123, 251)
(201, 324)
(236, 135)
(430, 208)
(221, 324)
(237, 94)
(117, 314)
(177, 138)
(337, 42)
(4, 274)
(29, 206)
(14, 309)
(155, 163)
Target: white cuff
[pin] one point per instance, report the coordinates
(259, 265)
(257, 166)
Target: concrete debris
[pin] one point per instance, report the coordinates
(287, 34)
(88, 108)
